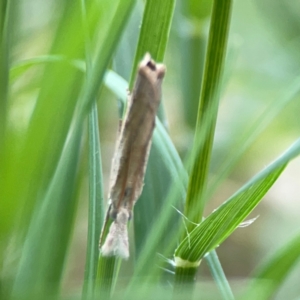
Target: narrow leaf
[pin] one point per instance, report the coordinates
(224, 220)
(207, 110)
(269, 276)
(219, 276)
(43, 256)
(4, 66)
(33, 167)
(154, 33)
(96, 201)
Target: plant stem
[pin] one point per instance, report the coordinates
(205, 128)
(207, 111)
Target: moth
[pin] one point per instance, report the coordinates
(131, 155)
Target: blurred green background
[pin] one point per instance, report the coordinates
(262, 69)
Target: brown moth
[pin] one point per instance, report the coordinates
(131, 154)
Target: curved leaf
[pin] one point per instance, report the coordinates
(226, 218)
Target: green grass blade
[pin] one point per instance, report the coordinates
(224, 220)
(96, 209)
(207, 111)
(205, 130)
(269, 276)
(252, 133)
(105, 52)
(4, 80)
(19, 68)
(4, 66)
(55, 108)
(96, 198)
(219, 276)
(154, 36)
(34, 165)
(124, 57)
(106, 276)
(192, 42)
(44, 252)
(154, 33)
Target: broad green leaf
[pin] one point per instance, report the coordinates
(268, 277)
(225, 219)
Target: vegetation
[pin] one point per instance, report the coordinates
(65, 67)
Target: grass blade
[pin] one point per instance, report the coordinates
(219, 276)
(252, 133)
(207, 111)
(124, 56)
(104, 53)
(205, 129)
(96, 209)
(96, 198)
(35, 164)
(224, 220)
(43, 256)
(154, 32)
(4, 66)
(269, 276)
(193, 40)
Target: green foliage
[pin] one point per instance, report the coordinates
(41, 264)
(96, 203)
(52, 153)
(269, 275)
(207, 111)
(220, 224)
